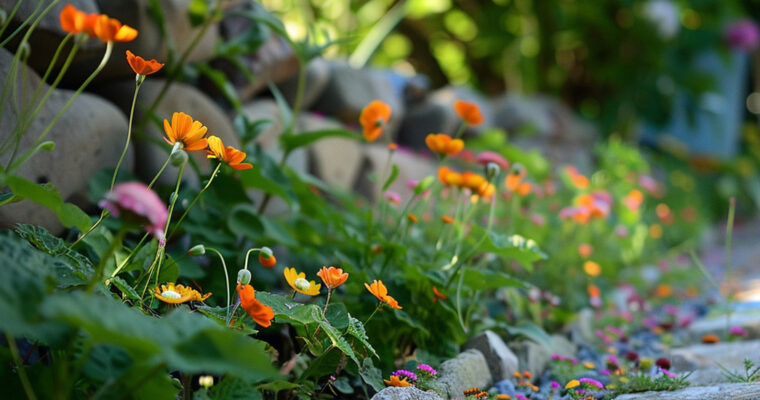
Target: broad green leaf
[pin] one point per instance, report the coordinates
(335, 337)
(107, 361)
(323, 365)
(125, 288)
(70, 268)
(230, 388)
(278, 386)
(337, 315)
(514, 247)
(391, 178)
(294, 141)
(243, 220)
(49, 197)
(530, 331)
(288, 310)
(478, 279)
(356, 329)
(371, 375)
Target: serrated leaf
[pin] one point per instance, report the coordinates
(391, 178)
(70, 268)
(294, 141)
(288, 310)
(356, 329)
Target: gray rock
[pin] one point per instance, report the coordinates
(717, 326)
(411, 166)
(581, 330)
(179, 98)
(317, 76)
(89, 136)
(705, 360)
(337, 161)
(469, 369)
(733, 391)
(349, 90)
(501, 360)
(534, 356)
(405, 393)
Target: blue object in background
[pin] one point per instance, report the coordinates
(711, 124)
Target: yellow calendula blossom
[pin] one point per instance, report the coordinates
(573, 384)
(177, 294)
(299, 283)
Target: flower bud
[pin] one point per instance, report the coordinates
(266, 258)
(492, 170)
(646, 363)
(302, 284)
(48, 146)
(244, 277)
(178, 157)
(206, 381)
(197, 250)
(24, 50)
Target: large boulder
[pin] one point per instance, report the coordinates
(89, 136)
(501, 361)
(151, 151)
(468, 369)
(707, 361)
(317, 77)
(337, 161)
(534, 357)
(733, 391)
(405, 393)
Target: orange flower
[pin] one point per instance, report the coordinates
(396, 381)
(472, 180)
(412, 218)
(111, 30)
(75, 21)
(185, 131)
(593, 291)
(585, 250)
(447, 220)
(262, 314)
(663, 291)
(633, 200)
(449, 177)
(332, 277)
(444, 144)
(438, 295)
(267, 260)
(469, 112)
(486, 190)
(381, 292)
(392, 146)
(373, 119)
(229, 155)
(710, 339)
(141, 66)
(591, 268)
(524, 189)
(513, 179)
(579, 180)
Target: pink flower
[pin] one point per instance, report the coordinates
(392, 197)
(485, 157)
(738, 331)
(135, 202)
(742, 35)
(591, 382)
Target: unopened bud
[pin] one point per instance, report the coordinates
(178, 157)
(244, 277)
(302, 284)
(206, 381)
(24, 50)
(3, 17)
(197, 250)
(47, 146)
(492, 170)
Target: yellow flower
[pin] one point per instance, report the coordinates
(589, 365)
(572, 384)
(176, 294)
(299, 283)
(592, 268)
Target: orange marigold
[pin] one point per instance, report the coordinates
(444, 144)
(332, 277)
(229, 155)
(262, 314)
(378, 289)
(469, 112)
(513, 180)
(111, 30)
(710, 339)
(75, 21)
(396, 381)
(185, 131)
(449, 177)
(447, 220)
(472, 180)
(141, 66)
(373, 119)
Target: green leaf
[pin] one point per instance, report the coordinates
(335, 336)
(391, 178)
(478, 279)
(219, 79)
(424, 185)
(356, 329)
(249, 131)
(514, 247)
(343, 386)
(125, 288)
(371, 375)
(288, 310)
(70, 268)
(197, 11)
(231, 388)
(243, 220)
(278, 386)
(286, 113)
(49, 197)
(530, 331)
(269, 178)
(292, 142)
(325, 364)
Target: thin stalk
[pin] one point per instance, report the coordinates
(30, 152)
(162, 243)
(327, 302)
(115, 244)
(461, 130)
(129, 257)
(103, 215)
(299, 95)
(379, 305)
(10, 17)
(20, 368)
(160, 171)
(247, 254)
(226, 281)
(729, 233)
(195, 200)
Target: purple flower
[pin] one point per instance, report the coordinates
(605, 372)
(520, 397)
(668, 373)
(592, 382)
(670, 309)
(738, 331)
(742, 35)
(402, 372)
(135, 202)
(555, 385)
(426, 368)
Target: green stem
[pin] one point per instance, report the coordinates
(160, 171)
(461, 130)
(162, 243)
(195, 200)
(226, 281)
(30, 152)
(379, 305)
(129, 257)
(129, 133)
(115, 244)
(247, 254)
(20, 368)
(299, 95)
(9, 17)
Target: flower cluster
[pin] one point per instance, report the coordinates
(103, 27)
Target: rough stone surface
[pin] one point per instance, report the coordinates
(89, 136)
(501, 360)
(404, 393)
(467, 370)
(581, 330)
(349, 90)
(704, 360)
(336, 161)
(534, 357)
(717, 325)
(317, 76)
(732, 391)
(180, 97)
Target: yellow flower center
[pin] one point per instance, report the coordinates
(171, 294)
(302, 284)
